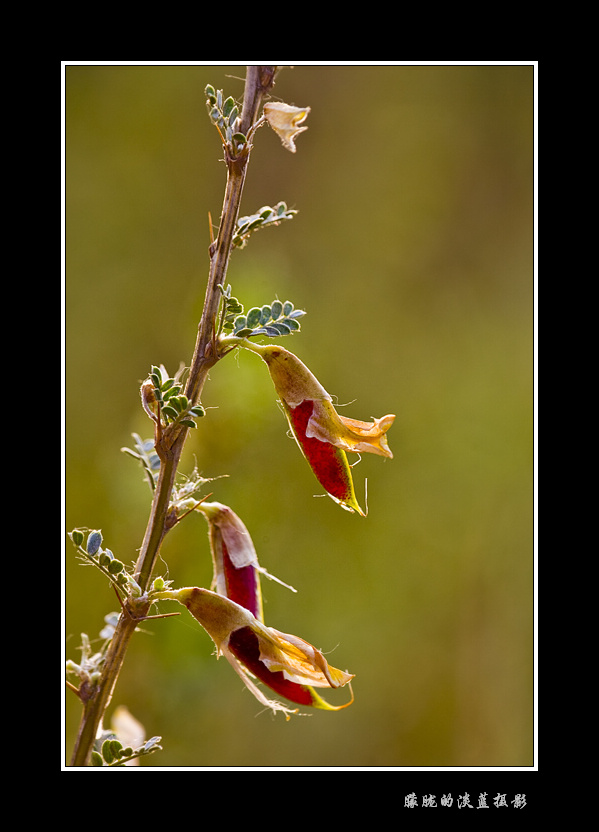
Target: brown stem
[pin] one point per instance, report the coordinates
(169, 446)
(258, 81)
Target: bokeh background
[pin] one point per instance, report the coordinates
(413, 255)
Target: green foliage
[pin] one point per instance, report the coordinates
(264, 217)
(225, 115)
(272, 319)
(173, 404)
(229, 309)
(109, 750)
(92, 552)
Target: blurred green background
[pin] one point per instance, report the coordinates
(413, 255)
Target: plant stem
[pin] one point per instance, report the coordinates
(170, 442)
(259, 80)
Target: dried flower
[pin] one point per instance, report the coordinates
(287, 664)
(286, 121)
(236, 571)
(321, 433)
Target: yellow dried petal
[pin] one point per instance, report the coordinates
(286, 121)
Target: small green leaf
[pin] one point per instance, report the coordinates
(180, 402)
(287, 308)
(116, 748)
(107, 751)
(97, 760)
(228, 105)
(170, 412)
(254, 317)
(115, 566)
(77, 537)
(281, 328)
(277, 308)
(171, 390)
(188, 423)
